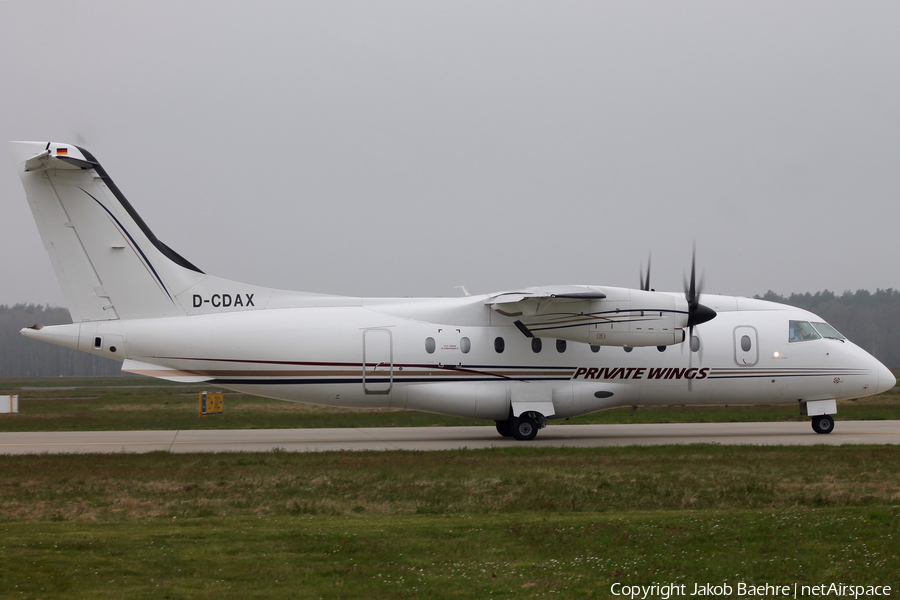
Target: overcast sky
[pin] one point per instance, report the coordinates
(404, 148)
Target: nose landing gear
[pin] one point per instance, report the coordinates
(823, 424)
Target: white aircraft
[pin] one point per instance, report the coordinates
(518, 357)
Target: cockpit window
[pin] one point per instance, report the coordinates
(802, 331)
(827, 331)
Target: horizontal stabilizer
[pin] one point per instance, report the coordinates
(59, 156)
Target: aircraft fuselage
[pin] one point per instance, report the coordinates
(409, 353)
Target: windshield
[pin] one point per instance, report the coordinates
(802, 331)
(827, 331)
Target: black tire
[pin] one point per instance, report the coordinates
(524, 428)
(504, 429)
(823, 424)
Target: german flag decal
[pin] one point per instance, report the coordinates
(62, 151)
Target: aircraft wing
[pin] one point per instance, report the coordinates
(530, 300)
(599, 316)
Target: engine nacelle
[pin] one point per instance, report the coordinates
(624, 317)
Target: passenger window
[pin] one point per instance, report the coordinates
(802, 331)
(560, 346)
(536, 345)
(429, 345)
(499, 345)
(745, 343)
(465, 345)
(695, 344)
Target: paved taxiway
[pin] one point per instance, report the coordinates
(444, 438)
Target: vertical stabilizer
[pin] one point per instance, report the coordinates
(108, 262)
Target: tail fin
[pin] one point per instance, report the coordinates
(108, 262)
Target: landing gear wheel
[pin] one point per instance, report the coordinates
(823, 424)
(524, 428)
(504, 429)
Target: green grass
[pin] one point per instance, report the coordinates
(507, 523)
(162, 485)
(519, 556)
(512, 523)
(128, 403)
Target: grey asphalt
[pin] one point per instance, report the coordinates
(444, 438)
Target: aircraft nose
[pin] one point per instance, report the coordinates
(886, 379)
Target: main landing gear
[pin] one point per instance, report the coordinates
(523, 428)
(823, 424)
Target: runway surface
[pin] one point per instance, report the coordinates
(444, 438)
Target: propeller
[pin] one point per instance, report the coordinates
(645, 283)
(697, 313)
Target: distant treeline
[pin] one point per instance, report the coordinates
(869, 320)
(22, 357)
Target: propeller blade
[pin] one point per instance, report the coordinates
(645, 283)
(691, 358)
(691, 294)
(697, 313)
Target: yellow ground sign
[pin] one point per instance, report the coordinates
(211, 404)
